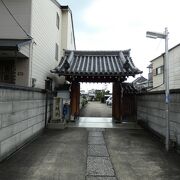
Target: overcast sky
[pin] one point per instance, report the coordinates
(121, 25)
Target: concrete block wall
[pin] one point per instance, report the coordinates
(151, 111)
(22, 117)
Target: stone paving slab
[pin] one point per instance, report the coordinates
(97, 150)
(99, 166)
(95, 133)
(95, 140)
(101, 178)
(95, 129)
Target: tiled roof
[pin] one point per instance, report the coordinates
(139, 80)
(128, 88)
(96, 63)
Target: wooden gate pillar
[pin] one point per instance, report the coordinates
(117, 102)
(75, 99)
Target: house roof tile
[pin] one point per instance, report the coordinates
(96, 63)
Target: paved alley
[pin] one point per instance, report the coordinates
(96, 109)
(92, 154)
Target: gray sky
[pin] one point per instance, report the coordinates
(122, 24)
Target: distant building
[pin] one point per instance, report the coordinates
(141, 83)
(91, 94)
(82, 92)
(150, 76)
(32, 40)
(174, 70)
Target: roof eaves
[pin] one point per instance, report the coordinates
(71, 55)
(157, 57)
(66, 8)
(56, 3)
(14, 44)
(9, 48)
(150, 66)
(28, 41)
(93, 53)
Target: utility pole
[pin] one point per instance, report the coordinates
(164, 36)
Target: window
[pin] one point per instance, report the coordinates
(158, 71)
(71, 37)
(56, 51)
(150, 70)
(57, 20)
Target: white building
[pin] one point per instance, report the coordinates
(174, 70)
(33, 34)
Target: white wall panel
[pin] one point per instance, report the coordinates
(21, 9)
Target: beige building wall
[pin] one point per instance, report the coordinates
(21, 9)
(70, 34)
(46, 35)
(9, 29)
(67, 31)
(64, 30)
(174, 70)
(22, 66)
(22, 74)
(158, 79)
(38, 18)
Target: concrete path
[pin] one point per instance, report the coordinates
(96, 109)
(92, 154)
(136, 155)
(102, 122)
(56, 155)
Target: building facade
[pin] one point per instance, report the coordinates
(174, 70)
(32, 38)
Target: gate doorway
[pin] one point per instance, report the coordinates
(99, 67)
(93, 98)
(96, 109)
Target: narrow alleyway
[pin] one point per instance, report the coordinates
(98, 115)
(92, 154)
(96, 109)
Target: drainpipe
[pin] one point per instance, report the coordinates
(30, 63)
(46, 106)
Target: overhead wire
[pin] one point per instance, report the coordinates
(158, 47)
(9, 11)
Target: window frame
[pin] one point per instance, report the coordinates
(159, 70)
(57, 20)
